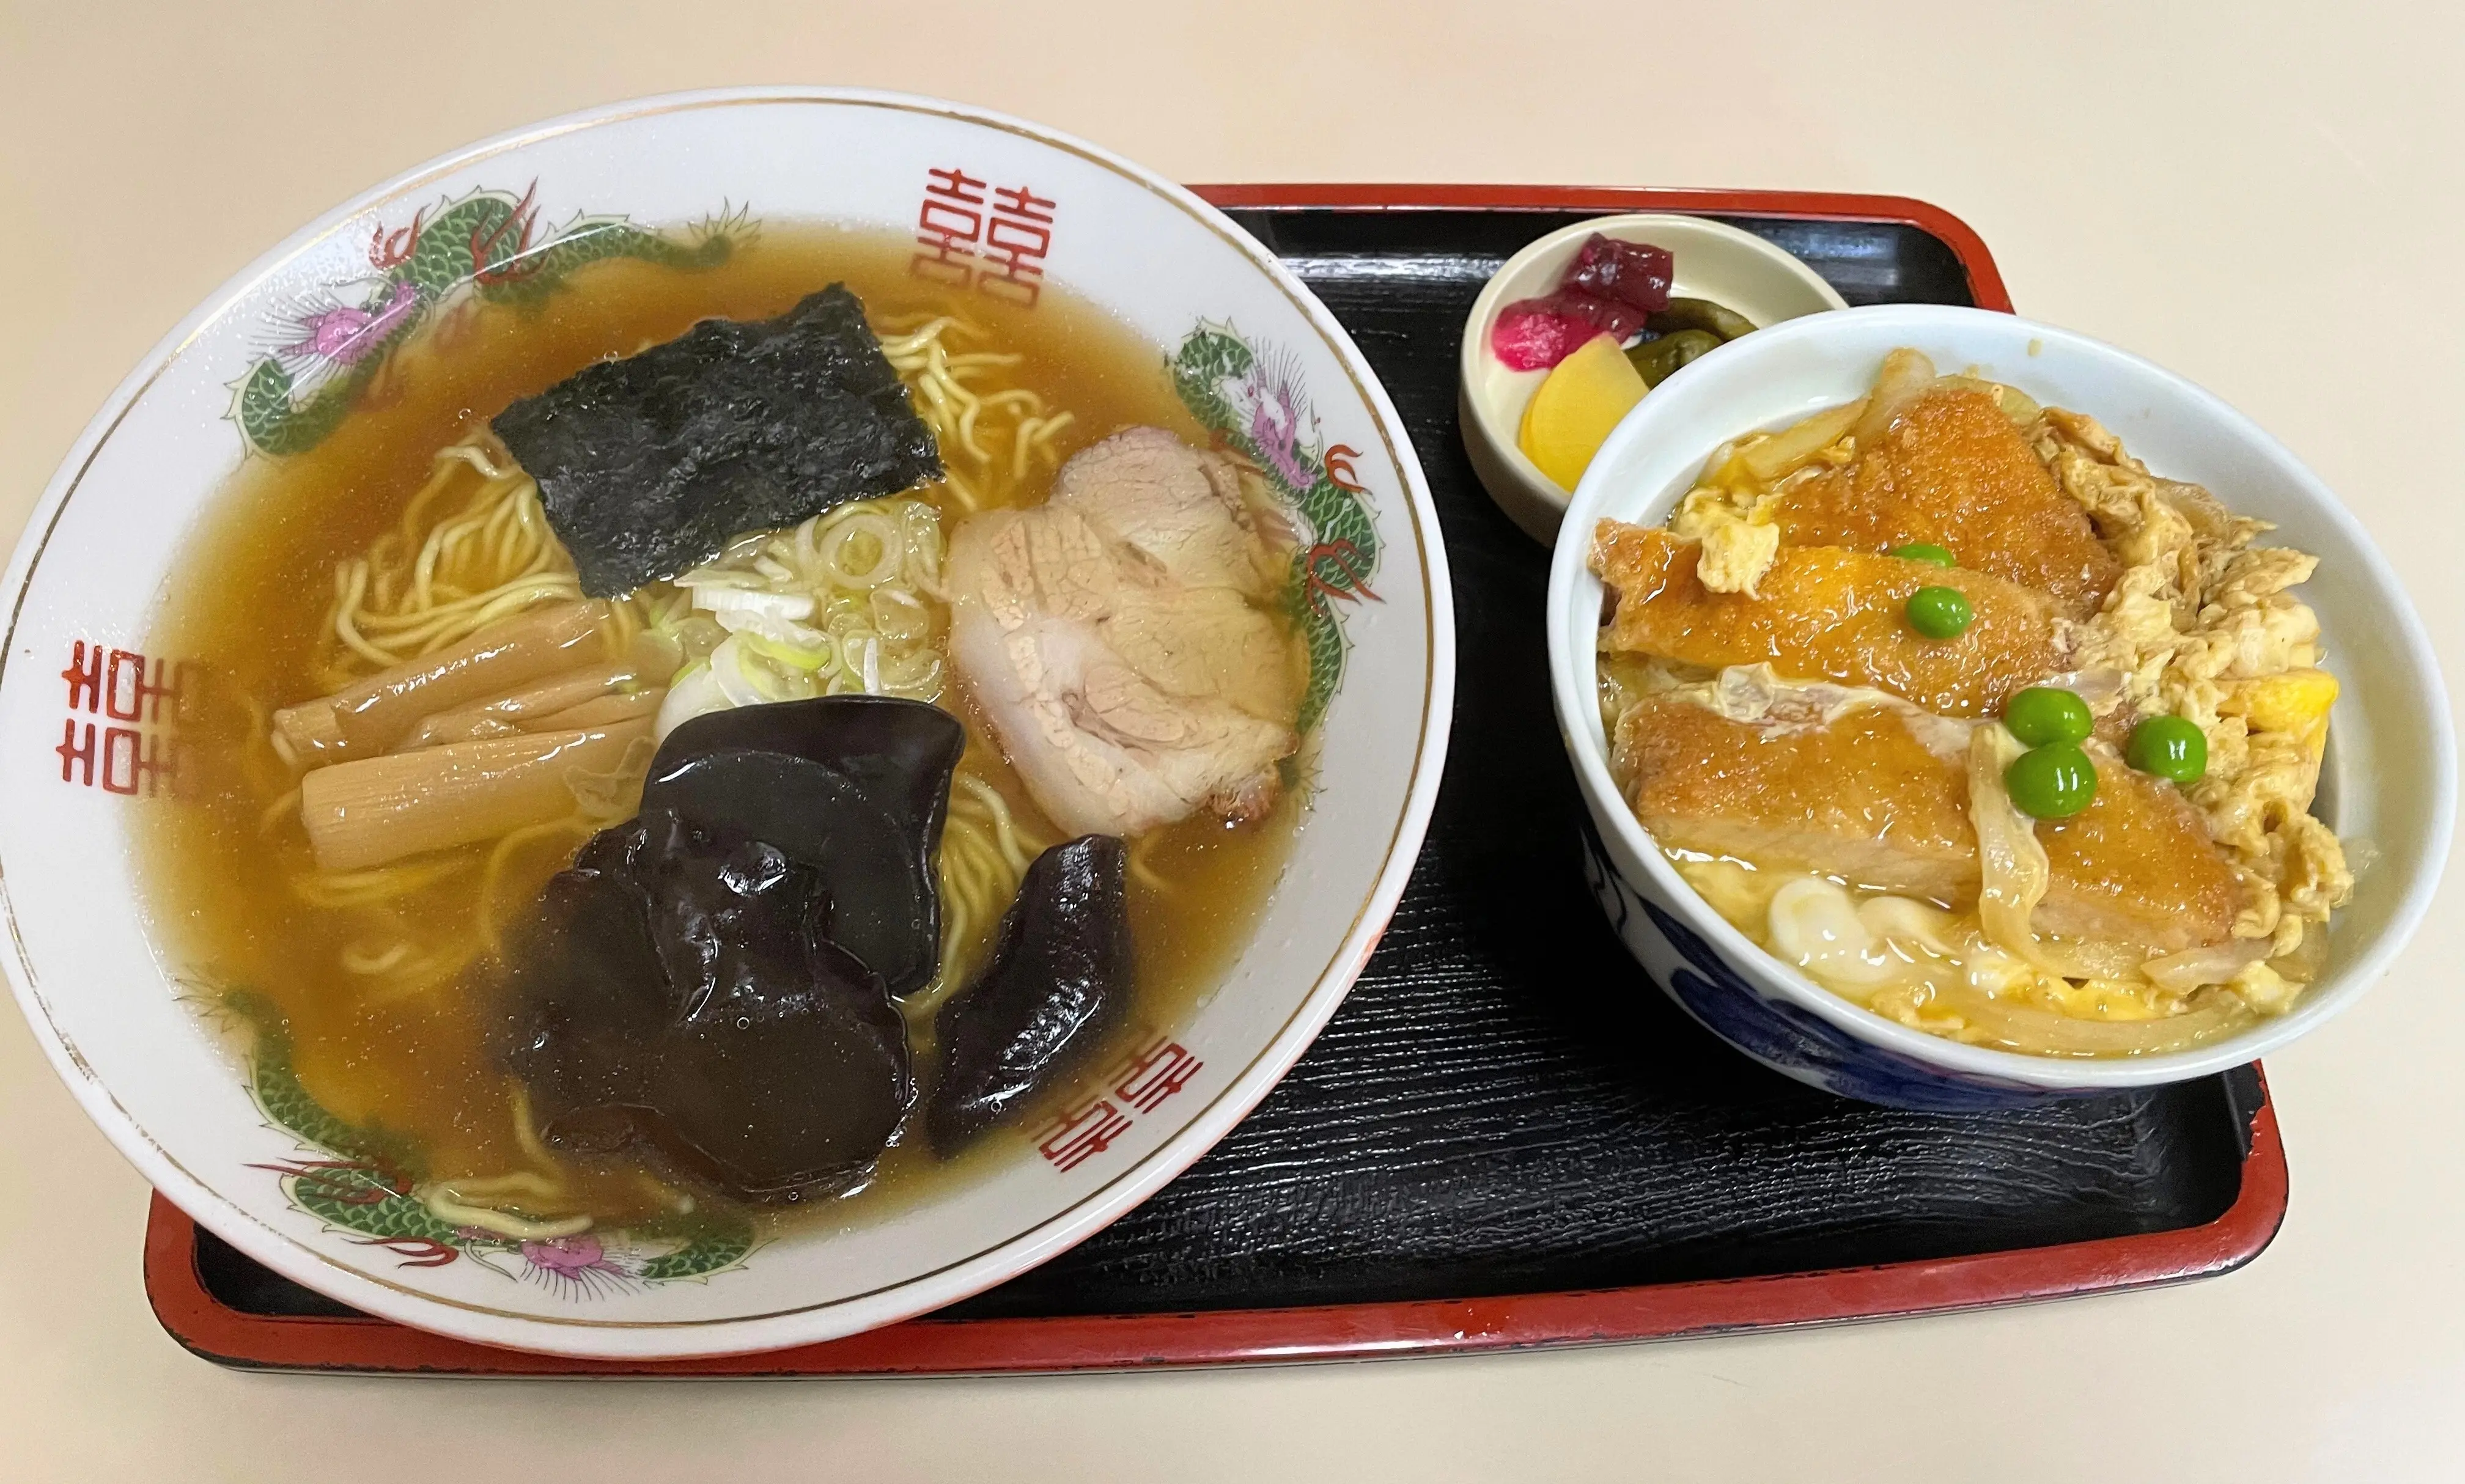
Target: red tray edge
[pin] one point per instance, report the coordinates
(216, 1332)
(1335, 1332)
(1984, 278)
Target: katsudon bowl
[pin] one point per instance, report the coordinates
(357, 364)
(2389, 774)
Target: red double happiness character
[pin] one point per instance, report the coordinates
(1016, 244)
(145, 698)
(1083, 1132)
(950, 227)
(1154, 1073)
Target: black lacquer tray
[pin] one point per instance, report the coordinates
(1507, 1136)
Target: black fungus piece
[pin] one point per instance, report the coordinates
(677, 990)
(648, 465)
(713, 980)
(854, 788)
(1058, 982)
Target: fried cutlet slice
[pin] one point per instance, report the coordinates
(2137, 866)
(1954, 472)
(1826, 612)
(1862, 798)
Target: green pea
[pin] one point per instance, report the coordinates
(2170, 747)
(1940, 612)
(1924, 552)
(2052, 781)
(2044, 714)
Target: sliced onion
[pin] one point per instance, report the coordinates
(823, 608)
(910, 668)
(2046, 1033)
(1912, 924)
(2009, 858)
(1814, 924)
(1905, 376)
(1785, 450)
(2188, 970)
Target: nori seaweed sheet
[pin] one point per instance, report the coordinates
(648, 465)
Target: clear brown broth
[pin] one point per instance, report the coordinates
(248, 601)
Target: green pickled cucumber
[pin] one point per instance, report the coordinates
(1699, 314)
(1658, 359)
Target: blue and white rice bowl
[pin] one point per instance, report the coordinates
(2388, 779)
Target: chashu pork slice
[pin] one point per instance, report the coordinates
(1126, 696)
(1827, 613)
(1952, 470)
(1879, 797)
(1171, 508)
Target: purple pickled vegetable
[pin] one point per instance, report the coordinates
(1535, 334)
(1623, 320)
(1531, 337)
(1634, 273)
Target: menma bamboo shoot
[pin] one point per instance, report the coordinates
(525, 710)
(366, 811)
(372, 715)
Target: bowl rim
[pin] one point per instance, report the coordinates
(1026, 1247)
(1475, 343)
(1573, 679)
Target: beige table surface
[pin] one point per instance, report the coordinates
(2265, 196)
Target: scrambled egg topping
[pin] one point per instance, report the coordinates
(2201, 625)
(1739, 538)
(1732, 512)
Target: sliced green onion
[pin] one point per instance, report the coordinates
(794, 656)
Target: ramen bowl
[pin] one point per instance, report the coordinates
(217, 1114)
(2389, 773)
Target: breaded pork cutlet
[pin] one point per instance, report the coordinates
(1826, 612)
(1952, 470)
(1864, 797)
